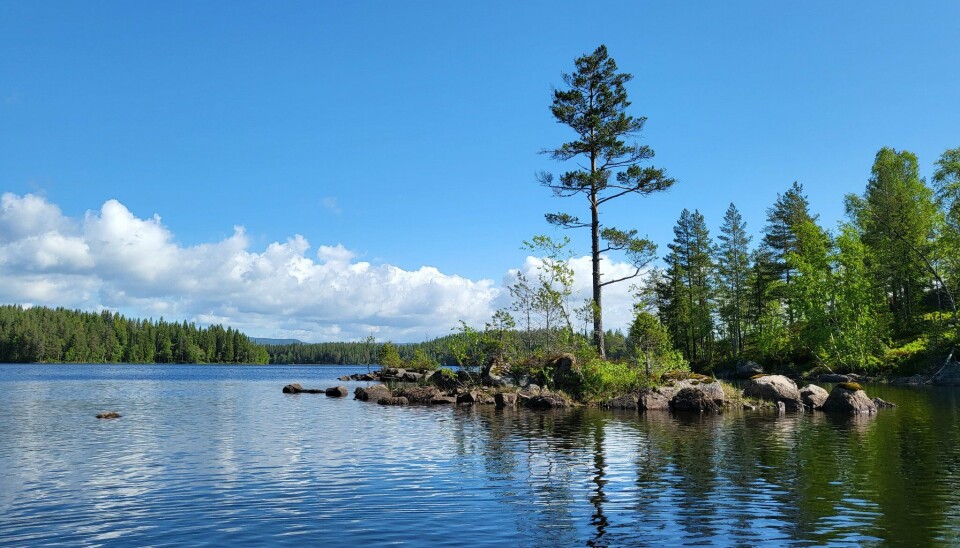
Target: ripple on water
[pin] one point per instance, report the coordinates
(218, 455)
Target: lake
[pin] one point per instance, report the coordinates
(218, 455)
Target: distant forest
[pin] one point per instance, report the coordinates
(440, 349)
(59, 335)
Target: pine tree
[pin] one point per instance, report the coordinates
(733, 271)
(594, 105)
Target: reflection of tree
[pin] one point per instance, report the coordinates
(598, 498)
(595, 477)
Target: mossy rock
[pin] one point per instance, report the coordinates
(852, 386)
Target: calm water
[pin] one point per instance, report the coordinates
(214, 454)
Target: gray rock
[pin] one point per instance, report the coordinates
(773, 388)
(292, 389)
(421, 394)
(655, 399)
(849, 402)
(505, 399)
(443, 400)
(626, 401)
(691, 398)
(746, 369)
(470, 397)
(109, 415)
(371, 393)
(393, 400)
(410, 376)
(345, 378)
(834, 377)
(337, 392)
(547, 400)
(883, 404)
(813, 396)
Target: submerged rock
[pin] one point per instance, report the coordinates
(813, 396)
(393, 400)
(109, 415)
(773, 388)
(883, 404)
(848, 399)
(443, 400)
(337, 392)
(294, 388)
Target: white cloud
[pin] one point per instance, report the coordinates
(113, 259)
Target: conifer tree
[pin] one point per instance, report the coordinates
(594, 104)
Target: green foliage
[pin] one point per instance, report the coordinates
(48, 335)
(389, 357)
(421, 361)
(686, 292)
(604, 380)
(651, 347)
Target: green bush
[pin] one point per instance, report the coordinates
(603, 380)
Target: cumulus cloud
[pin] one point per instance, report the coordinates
(113, 259)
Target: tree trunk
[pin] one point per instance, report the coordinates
(595, 255)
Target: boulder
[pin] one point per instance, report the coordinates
(345, 378)
(469, 398)
(691, 398)
(849, 401)
(746, 369)
(547, 400)
(495, 381)
(109, 415)
(368, 377)
(292, 389)
(834, 377)
(626, 401)
(443, 400)
(651, 399)
(883, 404)
(813, 396)
(410, 376)
(393, 400)
(337, 392)
(713, 390)
(505, 399)
(773, 388)
(371, 393)
(421, 394)
(441, 381)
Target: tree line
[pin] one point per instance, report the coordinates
(877, 289)
(41, 334)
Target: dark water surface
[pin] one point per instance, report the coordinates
(216, 454)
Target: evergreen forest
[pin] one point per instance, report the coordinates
(49, 335)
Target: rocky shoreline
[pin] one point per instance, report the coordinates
(685, 392)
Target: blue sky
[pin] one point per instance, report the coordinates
(406, 133)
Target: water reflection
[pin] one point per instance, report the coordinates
(220, 456)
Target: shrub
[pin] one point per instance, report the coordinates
(604, 380)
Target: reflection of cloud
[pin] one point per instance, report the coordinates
(330, 204)
(113, 259)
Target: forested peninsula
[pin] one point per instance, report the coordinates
(47, 335)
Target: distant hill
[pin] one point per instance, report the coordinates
(274, 342)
